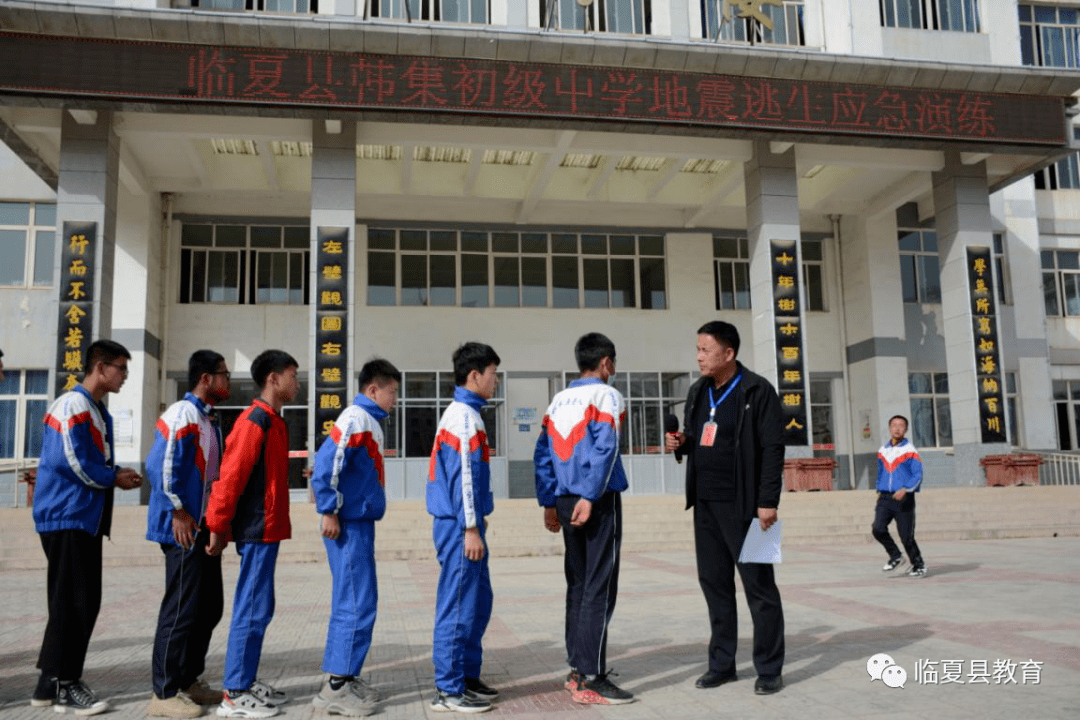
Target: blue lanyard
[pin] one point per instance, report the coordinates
(713, 404)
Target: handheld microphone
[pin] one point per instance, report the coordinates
(671, 426)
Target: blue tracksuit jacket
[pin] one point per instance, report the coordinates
(459, 479)
(899, 466)
(76, 473)
(578, 449)
(348, 477)
(182, 465)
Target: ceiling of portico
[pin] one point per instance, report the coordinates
(543, 176)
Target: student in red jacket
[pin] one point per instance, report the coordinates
(250, 502)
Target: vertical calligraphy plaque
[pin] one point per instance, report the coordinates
(987, 355)
(790, 373)
(75, 323)
(331, 328)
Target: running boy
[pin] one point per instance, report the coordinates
(459, 498)
(181, 468)
(250, 502)
(898, 479)
(348, 485)
(579, 476)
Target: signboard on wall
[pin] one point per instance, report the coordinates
(790, 368)
(987, 350)
(223, 75)
(331, 328)
(75, 330)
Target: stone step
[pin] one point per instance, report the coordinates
(650, 524)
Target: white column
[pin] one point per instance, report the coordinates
(962, 219)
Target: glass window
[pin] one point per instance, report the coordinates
(1061, 282)
(244, 264)
(731, 271)
(522, 269)
(955, 15)
(931, 419)
(23, 402)
(920, 273)
(27, 243)
(1049, 36)
(617, 16)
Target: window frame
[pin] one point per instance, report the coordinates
(257, 6)
(939, 403)
(428, 11)
(248, 261)
(1060, 279)
(1034, 34)
(733, 265)
(648, 282)
(597, 16)
(932, 15)
(31, 230)
(24, 421)
(788, 18)
(925, 287)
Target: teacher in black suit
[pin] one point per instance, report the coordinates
(733, 442)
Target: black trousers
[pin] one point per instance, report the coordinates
(903, 511)
(190, 610)
(718, 537)
(74, 596)
(591, 564)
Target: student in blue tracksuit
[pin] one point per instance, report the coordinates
(348, 483)
(459, 498)
(899, 476)
(73, 505)
(183, 464)
(579, 476)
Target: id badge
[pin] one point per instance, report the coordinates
(708, 434)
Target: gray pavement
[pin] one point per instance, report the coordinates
(1007, 606)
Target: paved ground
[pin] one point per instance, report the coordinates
(1004, 603)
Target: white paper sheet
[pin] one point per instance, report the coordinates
(763, 546)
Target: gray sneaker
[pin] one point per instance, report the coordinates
(893, 564)
(343, 701)
(466, 702)
(917, 572)
(267, 694)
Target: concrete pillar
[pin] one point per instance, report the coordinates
(772, 214)
(1034, 394)
(962, 218)
(874, 322)
(86, 193)
(333, 208)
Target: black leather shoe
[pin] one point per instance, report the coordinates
(713, 679)
(768, 686)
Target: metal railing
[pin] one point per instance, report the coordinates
(1059, 468)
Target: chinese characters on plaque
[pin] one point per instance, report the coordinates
(790, 374)
(987, 357)
(76, 316)
(224, 75)
(331, 328)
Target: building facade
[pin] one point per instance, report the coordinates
(883, 197)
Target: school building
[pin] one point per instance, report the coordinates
(883, 196)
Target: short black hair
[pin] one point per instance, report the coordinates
(591, 349)
(906, 423)
(472, 356)
(202, 362)
(379, 371)
(104, 351)
(723, 332)
(270, 361)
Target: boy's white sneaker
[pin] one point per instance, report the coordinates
(245, 705)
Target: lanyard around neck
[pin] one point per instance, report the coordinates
(713, 404)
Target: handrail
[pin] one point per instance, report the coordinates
(1059, 468)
